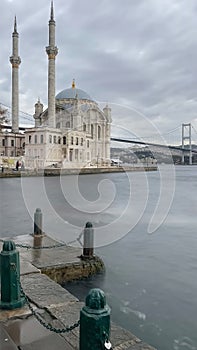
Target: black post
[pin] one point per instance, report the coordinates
(38, 222)
(88, 241)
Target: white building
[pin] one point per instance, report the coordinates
(81, 135)
(72, 131)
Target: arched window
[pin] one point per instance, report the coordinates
(99, 132)
(64, 140)
(71, 155)
(84, 127)
(50, 139)
(35, 138)
(41, 139)
(92, 130)
(59, 140)
(77, 141)
(71, 140)
(76, 154)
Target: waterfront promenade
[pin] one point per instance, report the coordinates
(19, 329)
(9, 172)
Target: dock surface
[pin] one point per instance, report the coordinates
(19, 328)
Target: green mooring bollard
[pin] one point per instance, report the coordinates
(10, 275)
(95, 322)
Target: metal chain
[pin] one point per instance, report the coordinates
(27, 246)
(39, 318)
(78, 239)
(59, 245)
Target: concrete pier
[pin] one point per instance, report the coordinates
(55, 305)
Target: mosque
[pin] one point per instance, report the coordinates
(73, 131)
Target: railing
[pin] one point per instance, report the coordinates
(94, 320)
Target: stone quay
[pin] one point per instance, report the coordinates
(42, 271)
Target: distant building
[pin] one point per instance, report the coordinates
(11, 144)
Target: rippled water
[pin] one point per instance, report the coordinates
(150, 278)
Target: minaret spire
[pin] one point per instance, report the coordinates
(15, 25)
(52, 11)
(73, 84)
(15, 62)
(52, 52)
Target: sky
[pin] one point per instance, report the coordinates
(139, 56)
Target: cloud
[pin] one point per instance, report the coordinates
(140, 53)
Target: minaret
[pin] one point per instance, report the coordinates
(38, 111)
(52, 51)
(107, 113)
(15, 62)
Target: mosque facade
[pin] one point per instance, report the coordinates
(79, 137)
(73, 131)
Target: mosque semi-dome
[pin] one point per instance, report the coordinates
(72, 93)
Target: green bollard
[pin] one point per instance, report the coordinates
(95, 322)
(10, 275)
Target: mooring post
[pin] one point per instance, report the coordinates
(37, 243)
(88, 241)
(95, 322)
(38, 222)
(10, 277)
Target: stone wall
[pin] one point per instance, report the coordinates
(75, 271)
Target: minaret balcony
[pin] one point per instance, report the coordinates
(15, 61)
(52, 51)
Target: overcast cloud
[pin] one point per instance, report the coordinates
(136, 53)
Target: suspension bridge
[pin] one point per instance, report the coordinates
(188, 145)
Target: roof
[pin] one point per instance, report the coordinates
(72, 93)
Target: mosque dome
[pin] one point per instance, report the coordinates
(72, 93)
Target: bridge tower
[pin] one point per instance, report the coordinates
(187, 136)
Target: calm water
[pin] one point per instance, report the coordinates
(150, 278)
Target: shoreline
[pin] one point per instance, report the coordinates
(10, 173)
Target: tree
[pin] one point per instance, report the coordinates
(3, 116)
